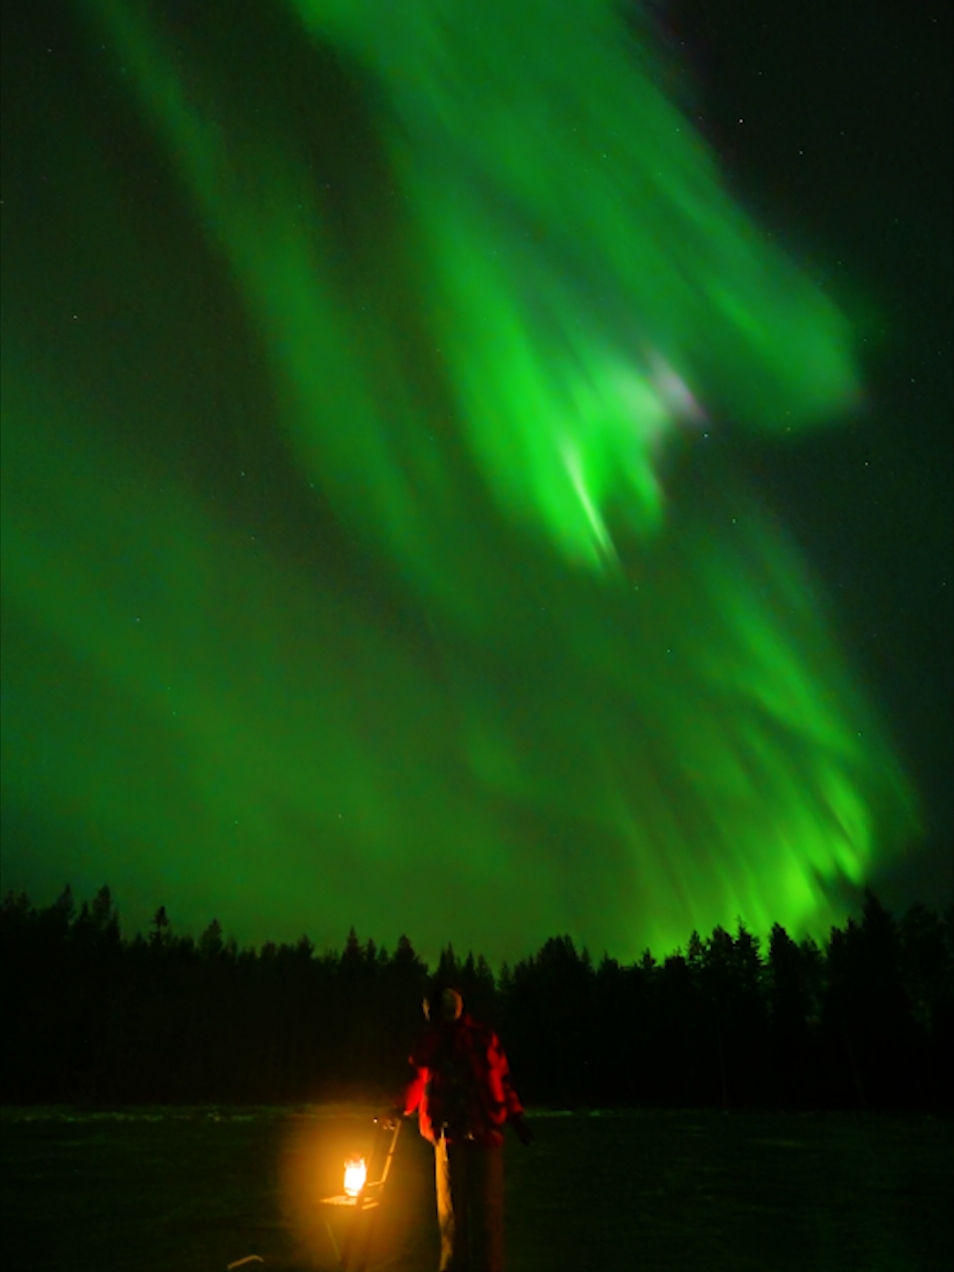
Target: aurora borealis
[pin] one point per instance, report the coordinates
(377, 548)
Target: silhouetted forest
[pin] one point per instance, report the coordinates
(867, 1020)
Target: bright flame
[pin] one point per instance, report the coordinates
(355, 1174)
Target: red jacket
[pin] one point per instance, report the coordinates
(461, 1084)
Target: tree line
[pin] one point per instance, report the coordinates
(865, 1019)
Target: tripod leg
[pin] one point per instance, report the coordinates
(357, 1248)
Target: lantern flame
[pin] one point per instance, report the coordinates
(355, 1173)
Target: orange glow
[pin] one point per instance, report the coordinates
(355, 1173)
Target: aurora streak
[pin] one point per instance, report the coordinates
(590, 685)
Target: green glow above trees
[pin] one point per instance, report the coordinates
(616, 709)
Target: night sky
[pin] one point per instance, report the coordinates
(466, 476)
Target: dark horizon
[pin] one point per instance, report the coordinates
(866, 1022)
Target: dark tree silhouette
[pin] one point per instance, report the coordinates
(88, 1016)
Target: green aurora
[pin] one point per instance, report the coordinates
(507, 651)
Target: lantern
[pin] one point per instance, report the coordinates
(355, 1174)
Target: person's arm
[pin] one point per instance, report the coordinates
(419, 1066)
(511, 1101)
(407, 1102)
(414, 1090)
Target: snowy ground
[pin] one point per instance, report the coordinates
(670, 1192)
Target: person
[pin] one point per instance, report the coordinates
(460, 1089)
